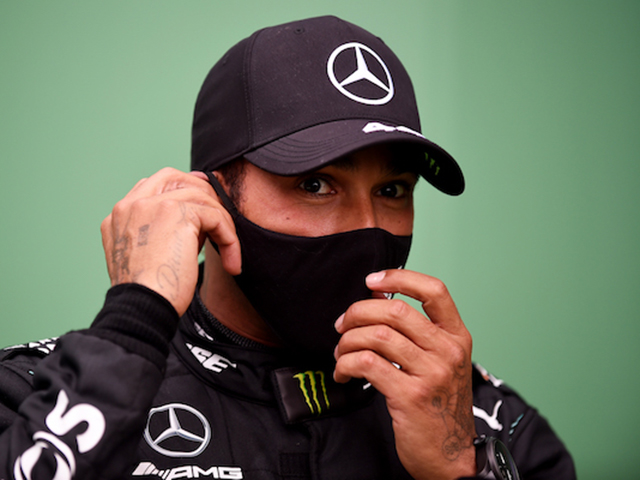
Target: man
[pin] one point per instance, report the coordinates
(289, 360)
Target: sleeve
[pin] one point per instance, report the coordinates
(89, 399)
(536, 449)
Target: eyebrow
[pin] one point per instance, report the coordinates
(404, 165)
(403, 162)
(344, 163)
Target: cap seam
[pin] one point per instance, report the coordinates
(248, 92)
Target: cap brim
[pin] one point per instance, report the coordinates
(314, 147)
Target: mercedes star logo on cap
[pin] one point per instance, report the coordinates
(361, 73)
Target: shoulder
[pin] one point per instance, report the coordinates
(17, 364)
(498, 408)
(20, 359)
(38, 348)
(501, 412)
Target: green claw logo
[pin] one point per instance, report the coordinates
(311, 394)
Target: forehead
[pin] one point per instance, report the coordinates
(391, 158)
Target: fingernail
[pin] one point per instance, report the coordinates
(338, 323)
(375, 277)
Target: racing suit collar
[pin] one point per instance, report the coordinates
(264, 375)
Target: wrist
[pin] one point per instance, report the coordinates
(494, 461)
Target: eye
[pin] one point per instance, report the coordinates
(395, 190)
(316, 186)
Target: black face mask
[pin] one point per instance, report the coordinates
(301, 285)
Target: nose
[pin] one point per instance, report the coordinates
(361, 213)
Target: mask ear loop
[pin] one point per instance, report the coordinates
(226, 201)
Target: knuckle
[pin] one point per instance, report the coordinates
(119, 209)
(163, 178)
(355, 310)
(439, 289)
(167, 205)
(382, 333)
(368, 359)
(439, 375)
(105, 226)
(346, 342)
(167, 171)
(398, 309)
(458, 354)
(467, 339)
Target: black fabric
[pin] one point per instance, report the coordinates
(294, 465)
(123, 320)
(296, 287)
(222, 389)
(274, 83)
(279, 99)
(17, 367)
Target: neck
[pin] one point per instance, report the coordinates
(226, 302)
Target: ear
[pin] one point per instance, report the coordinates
(219, 177)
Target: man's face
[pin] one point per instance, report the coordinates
(366, 189)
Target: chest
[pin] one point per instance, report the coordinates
(196, 430)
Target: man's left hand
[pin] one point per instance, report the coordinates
(421, 364)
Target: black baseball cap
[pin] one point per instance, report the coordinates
(294, 97)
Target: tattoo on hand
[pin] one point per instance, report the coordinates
(168, 273)
(120, 256)
(455, 411)
(168, 280)
(143, 235)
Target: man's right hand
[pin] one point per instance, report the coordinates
(154, 234)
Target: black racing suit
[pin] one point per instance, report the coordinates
(133, 398)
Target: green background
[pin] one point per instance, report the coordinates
(538, 101)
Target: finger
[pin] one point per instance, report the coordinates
(196, 207)
(382, 374)
(107, 241)
(166, 180)
(169, 179)
(396, 315)
(388, 343)
(212, 219)
(221, 230)
(431, 292)
(199, 174)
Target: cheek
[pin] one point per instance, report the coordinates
(394, 218)
(401, 223)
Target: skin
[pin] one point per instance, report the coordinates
(154, 234)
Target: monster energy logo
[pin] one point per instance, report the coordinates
(311, 394)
